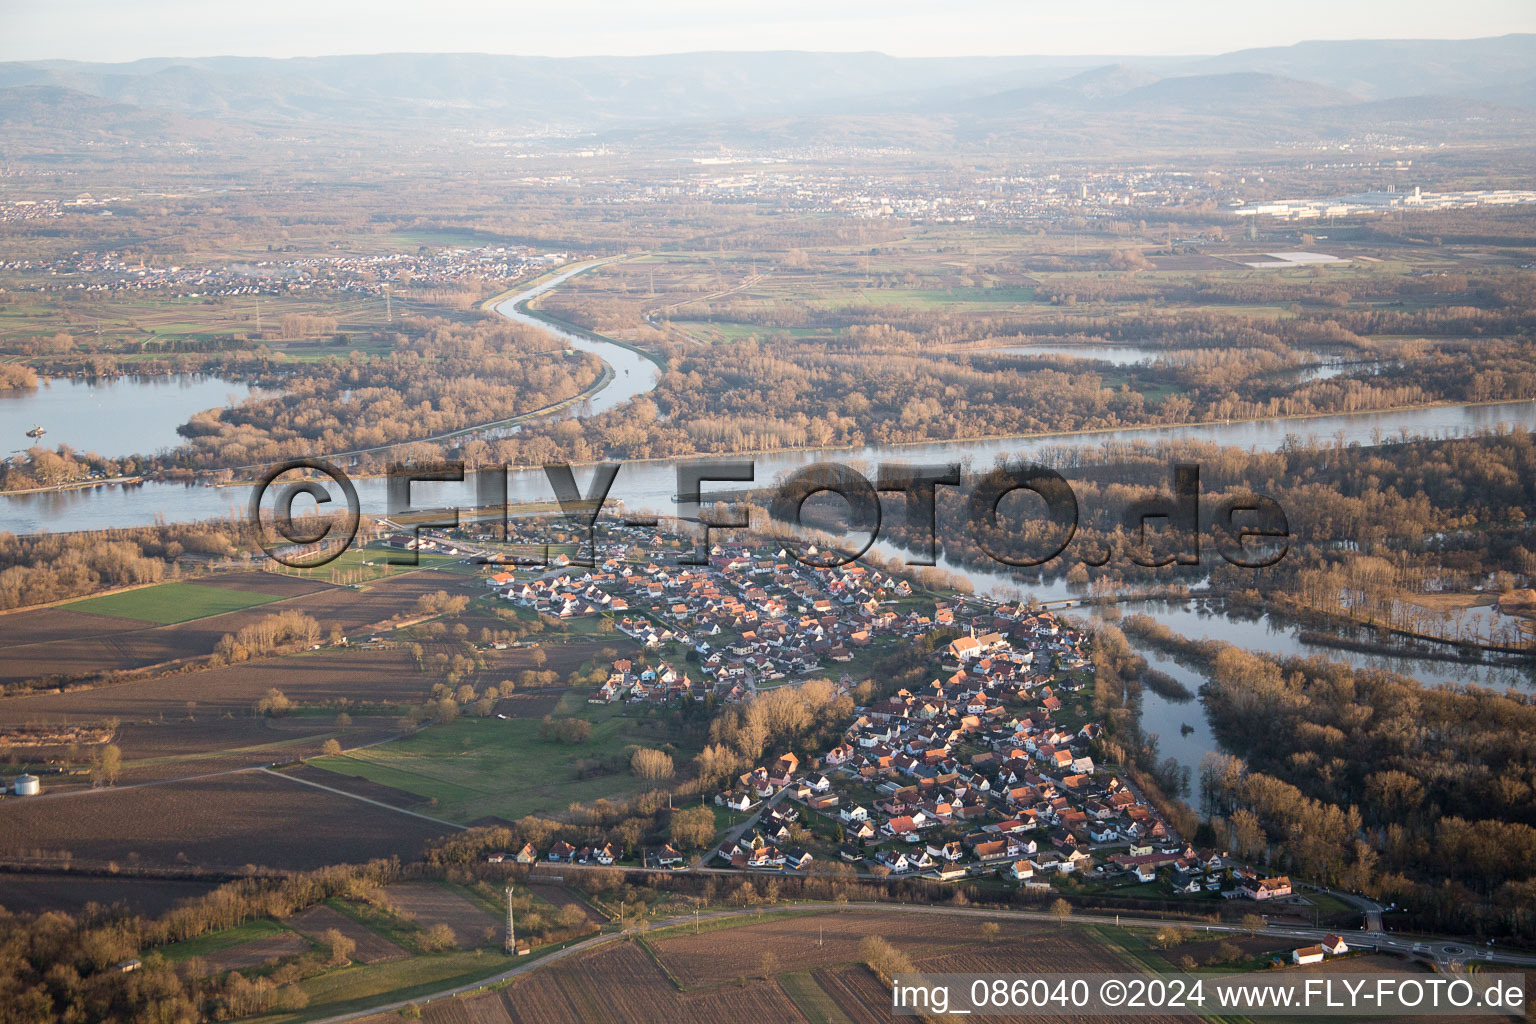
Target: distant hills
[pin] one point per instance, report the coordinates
(50, 110)
(1380, 69)
(726, 97)
(1122, 88)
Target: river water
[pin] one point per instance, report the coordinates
(633, 373)
(651, 485)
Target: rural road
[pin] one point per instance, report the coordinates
(749, 282)
(1451, 954)
(735, 833)
(475, 986)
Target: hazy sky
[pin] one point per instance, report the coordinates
(128, 29)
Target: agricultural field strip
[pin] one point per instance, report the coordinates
(433, 903)
(64, 794)
(371, 946)
(169, 603)
(804, 990)
(148, 625)
(476, 986)
(222, 823)
(258, 951)
(445, 786)
(361, 799)
(173, 759)
(211, 755)
(1122, 921)
(229, 938)
(147, 670)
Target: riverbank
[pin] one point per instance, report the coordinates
(1466, 652)
(1428, 646)
(76, 485)
(1087, 433)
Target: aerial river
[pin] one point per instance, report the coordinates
(651, 485)
(1182, 727)
(633, 373)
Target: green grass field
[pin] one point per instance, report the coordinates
(349, 567)
(215, 942)
(167, 603)
(358, 986)
(473, 767)
(811, 999)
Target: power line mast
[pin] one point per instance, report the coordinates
(511, 925)
(389, 309)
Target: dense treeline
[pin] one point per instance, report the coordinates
(61, 967)
(444, 377)
(1375, 532)
(1422, 795)
(272, 634)
(39, 568)
(14, 377)
(806, 718)
(43, 467)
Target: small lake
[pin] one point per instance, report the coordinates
(1209, 620)
(1141, 355)
(1182, 730)
(1115, 355)
(112, 417)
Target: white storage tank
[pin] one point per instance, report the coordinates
(27, 785)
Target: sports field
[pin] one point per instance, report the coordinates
(173, 602)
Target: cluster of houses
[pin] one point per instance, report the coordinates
(371, 274)
(657, 683)
(773, 844)
(751, 616)
(665, 856)
(973, 775)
